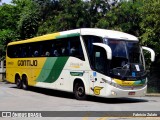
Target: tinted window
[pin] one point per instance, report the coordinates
(50, 48)
(88, 40)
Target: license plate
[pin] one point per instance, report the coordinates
(131, 93)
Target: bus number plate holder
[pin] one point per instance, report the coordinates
(131, 93)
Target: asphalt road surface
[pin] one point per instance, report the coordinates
(38, 99)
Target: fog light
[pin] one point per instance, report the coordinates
(113, 93)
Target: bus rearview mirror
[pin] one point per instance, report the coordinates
(151, 52)
(107, 49)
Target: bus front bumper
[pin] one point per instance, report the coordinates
(113, 92)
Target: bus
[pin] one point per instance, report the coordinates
(86, 61)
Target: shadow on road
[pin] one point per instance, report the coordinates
(116, 100)
(68, 95)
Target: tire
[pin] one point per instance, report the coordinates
(24, 83)
(18, 82)
(79, 91)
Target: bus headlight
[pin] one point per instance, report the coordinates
(113, 93)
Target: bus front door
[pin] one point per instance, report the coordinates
(100, 67)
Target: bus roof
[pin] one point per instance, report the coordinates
(83, 31)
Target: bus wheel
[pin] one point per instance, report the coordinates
(18, 82)
(24, 82)
(79, 91)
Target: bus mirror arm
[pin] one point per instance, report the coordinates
(151, 51)
(107, 49)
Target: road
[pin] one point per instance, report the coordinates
(38, 99)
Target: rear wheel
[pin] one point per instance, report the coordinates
(79, 91)
(24, 82)
(18, 82)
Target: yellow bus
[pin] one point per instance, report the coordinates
(85, 61)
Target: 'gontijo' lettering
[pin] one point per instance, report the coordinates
(27, 62)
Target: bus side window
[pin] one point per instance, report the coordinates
(56, 53)
(52, 49)
(11, 52)
(23, 51)
(63, 50)
(100, 60)
(64, 47)
(36, 53)
(88, 40)
(76, 48)
(73, 51)
(15, 54)
(57, 48)
(28, 50)
(47, 54)
(18, 51)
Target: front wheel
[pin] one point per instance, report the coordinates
(79, 91)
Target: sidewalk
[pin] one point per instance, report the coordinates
(153, 94)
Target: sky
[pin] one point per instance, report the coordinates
(6, 1)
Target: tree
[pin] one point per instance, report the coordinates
(73, 14)
(6, 36)
(151, 37)
(9, 16)
(49, 10)
(124, 17)
(8, 26)
(29, 18)
(150, 25)
(64, 15)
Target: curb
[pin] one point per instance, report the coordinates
(153, 94)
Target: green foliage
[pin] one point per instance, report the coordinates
(29, 18)
(125, 17)
(73, 14)
(6, 36)
(8, 17)
(150, 24)
(8, 20)
(37, 17)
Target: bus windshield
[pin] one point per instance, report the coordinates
(124, 52)
(126, 57)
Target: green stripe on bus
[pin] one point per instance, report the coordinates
(52, 69)
(139, 82)
(46, 70)
(68, 35)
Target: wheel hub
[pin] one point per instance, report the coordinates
(80, 90)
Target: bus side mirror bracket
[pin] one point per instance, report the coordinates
(107, 49)
(151, 51)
